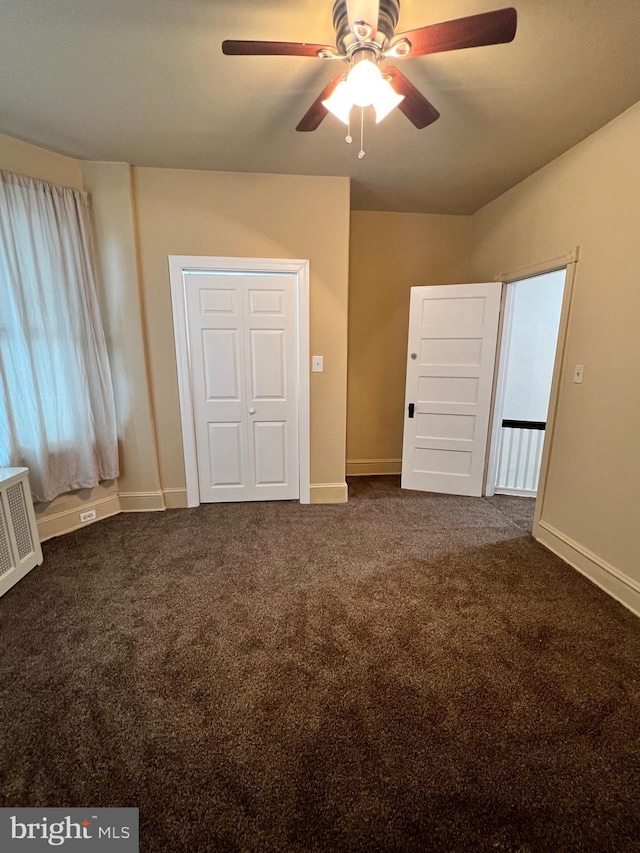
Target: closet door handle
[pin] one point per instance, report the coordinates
(252, 411)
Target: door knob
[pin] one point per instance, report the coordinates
(252, 411)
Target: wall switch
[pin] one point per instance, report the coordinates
(89, 515)
(578, 374)
(317, 364)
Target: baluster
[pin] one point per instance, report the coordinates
(500, 457)
(528, 473)
(508, 471)
(539, 445)
(518, 459)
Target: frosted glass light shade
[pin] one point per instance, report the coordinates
(363, 80)
(385, 100)
(340, 103)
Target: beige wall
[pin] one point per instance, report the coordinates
(390, 253)
(26, 159)
(247, 215)
(588, 197)
(111, 191)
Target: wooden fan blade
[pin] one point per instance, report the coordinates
(317, 111)
(496, 27)
(273, 48)
(415, 106)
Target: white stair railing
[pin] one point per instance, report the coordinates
(520, 456)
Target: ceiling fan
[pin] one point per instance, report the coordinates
(365, 38)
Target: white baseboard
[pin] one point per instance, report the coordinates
(373, 467)
(329, 493)
(616, 583)
(175, 498)
(142, 501)
(522, 493)
(69, 519)
(321, 493)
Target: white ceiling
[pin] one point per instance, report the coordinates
(145, 81)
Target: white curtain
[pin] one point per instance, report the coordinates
(56, 399)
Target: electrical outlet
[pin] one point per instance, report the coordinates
(89, 515)
(317, 364)
(578, 374)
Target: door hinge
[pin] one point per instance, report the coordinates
(412, 408)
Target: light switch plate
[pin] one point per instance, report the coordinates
(578, 374)
(317, 364)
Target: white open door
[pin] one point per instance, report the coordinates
(453, 333)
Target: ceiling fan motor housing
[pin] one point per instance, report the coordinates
(382, 29)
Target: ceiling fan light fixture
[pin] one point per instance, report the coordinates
(340, 103)
(364, 86)
(386, 99)
(363, 81)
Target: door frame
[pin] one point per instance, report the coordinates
(500, 382)
(178, 264)
(569, 263)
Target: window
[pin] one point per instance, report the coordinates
(56, 401)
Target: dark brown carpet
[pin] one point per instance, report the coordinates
(407, 672)
(518, 509)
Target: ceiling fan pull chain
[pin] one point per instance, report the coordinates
(348, 138)
(361, 151)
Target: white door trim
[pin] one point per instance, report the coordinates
(558, 368)
(177, 265)
(499, 384)
(540, 268)
(500, 380)
(568, 262)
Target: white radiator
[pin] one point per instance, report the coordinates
(20, 547)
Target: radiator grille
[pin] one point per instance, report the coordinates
(20, 520)
(5, 554)
(20, 549)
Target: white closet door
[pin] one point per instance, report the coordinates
(243, 356)
(270, 313)
(453, 333)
